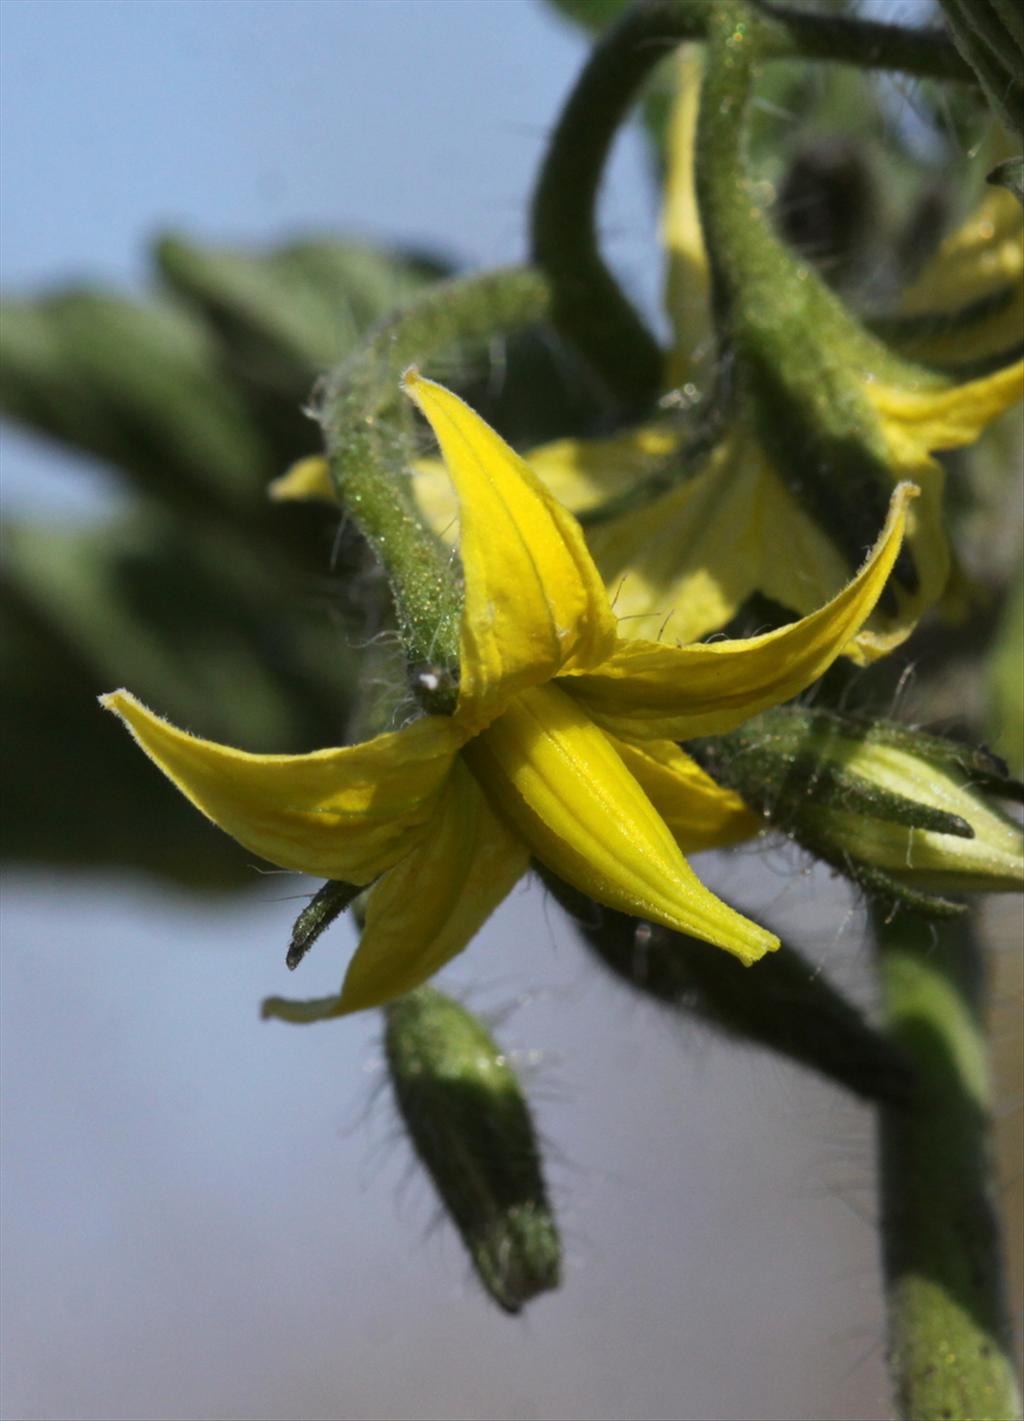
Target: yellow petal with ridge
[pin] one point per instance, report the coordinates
(646, 691)
(559, 780)
(534, 601)
(429, 907)
(983, 260)
(916, 422)
(580, 473)
(700, 813)
(348, 813)
(688, 281)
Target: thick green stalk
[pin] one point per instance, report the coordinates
(589, 306)
(990, 37)
(369, 448)
(794, 1010)
(949, 1331)
(802, 361)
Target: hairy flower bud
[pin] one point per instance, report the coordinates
(470, 1125)
(907, 814)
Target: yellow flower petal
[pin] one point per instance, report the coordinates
(683, 564)
(534, 600)
(926, 535)
(348, 813)
(429, 906)
(688, 283)
(307, 478)
(562, 784)
(700, 813)
(981, 259)
(917, 422)
(580, 473)
(438, 502)
(647, 691)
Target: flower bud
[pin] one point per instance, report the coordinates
(470, 1125)
(906, 814)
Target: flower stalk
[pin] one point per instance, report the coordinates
(589, 305)
(950, 1337)
(795, 1012)
(369, 447)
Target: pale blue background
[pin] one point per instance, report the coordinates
(210, 1217)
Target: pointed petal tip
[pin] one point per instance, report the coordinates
(306, 479)
(768, 943)
(116, 701)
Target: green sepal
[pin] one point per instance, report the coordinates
(790, 1009)
(328, 902)
(470, 1125)
(778, 763)
(909, 332)
(883, 888)
(1009, 174)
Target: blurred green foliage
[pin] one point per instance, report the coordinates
(214, 604)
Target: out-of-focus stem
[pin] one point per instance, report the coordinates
(949, 1330)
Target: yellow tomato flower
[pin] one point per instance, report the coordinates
(561, 744)
(691, 549)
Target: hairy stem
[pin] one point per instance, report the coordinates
(949, 1331)
(589, 306)
(369, 445)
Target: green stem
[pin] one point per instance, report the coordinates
(949, 1333)
(589, 305)
(994, 54)
(794, 1011)
(368, 444)
(800, 357)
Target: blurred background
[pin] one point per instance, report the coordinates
(206, 1216)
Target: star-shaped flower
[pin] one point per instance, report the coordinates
(561, 746)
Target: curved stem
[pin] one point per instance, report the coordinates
(589, 305)
(949, 1331)
(368, 446)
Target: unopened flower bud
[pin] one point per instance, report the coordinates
(470, 1125)
(907, 814)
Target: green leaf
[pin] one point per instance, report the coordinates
(225, 645)
(137, 386)
(284, 315)
(592, 15)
